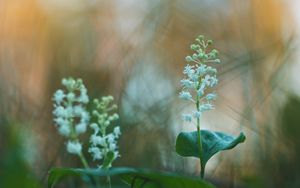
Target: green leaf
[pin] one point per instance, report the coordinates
(57, 174)
(135, 177)
(212, 143)
(155, 179)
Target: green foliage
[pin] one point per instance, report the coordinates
(132, 176)
(212, 143)
(15, 169)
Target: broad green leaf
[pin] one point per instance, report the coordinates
(212, 142)
(132, 176)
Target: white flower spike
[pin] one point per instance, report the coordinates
(70, 114)
(200, 77)
(72, 119)
(102, 142)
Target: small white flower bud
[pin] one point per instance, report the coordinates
(96, 153)
(94, 126)
(197, 114)
(60, 111)
(85, 116)
(64, 82)
(97, 140)
(71, 96)
(211, 96)
(187, 83)
(185, 95)
(112, 146)
(117, 131)
(78, 109)
(217, 61)
(206, 107)
(64, 130)
(110, 138)
(74, 147)
(59, 96)
(187, 117)
(80, 128)
(195, 56)
(188, 69)
(188, 58)
(106, 123)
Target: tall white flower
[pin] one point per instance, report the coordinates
(70, 114)
(199, 78)
(103, 143)
(72, 119)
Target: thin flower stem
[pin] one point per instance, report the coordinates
(107, 177)
(86, 166)
(202, 171)
(83, 160)
(199, 136)
(108, 181)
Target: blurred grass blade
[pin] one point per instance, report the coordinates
(212, 143)
(135, 177)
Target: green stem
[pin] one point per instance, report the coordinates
(82, 157)
(202, 171)
(86, 166)
(200, 148)
(83, 160)
(108, 181)
(199, 138)
(106, 168)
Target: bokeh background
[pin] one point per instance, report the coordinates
(134, 50)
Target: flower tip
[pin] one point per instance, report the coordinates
(200, 37)
(218, 61)
(188, 58)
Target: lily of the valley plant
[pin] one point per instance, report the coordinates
(197, 88)
(72, 119)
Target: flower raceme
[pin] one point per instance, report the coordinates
(199, 77)
(71, 116)
(72, 119)
(104, 144)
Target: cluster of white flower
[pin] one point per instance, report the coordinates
(71, 116)
(199, 78)
(103, 144)
(72, 119)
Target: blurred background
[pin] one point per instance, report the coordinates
(135, 50)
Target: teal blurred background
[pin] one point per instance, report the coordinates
(134, 50)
